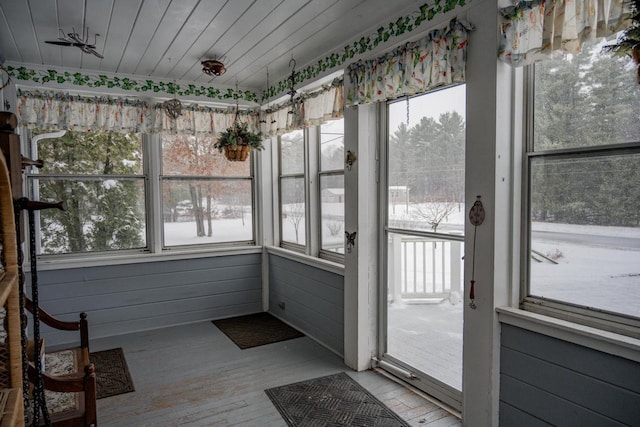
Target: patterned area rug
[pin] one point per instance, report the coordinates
(112, 372)
(334, 400)
(256, 329)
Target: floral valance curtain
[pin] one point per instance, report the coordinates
(54, 111)
(436, 60)
(195, 120)
(533, 30)
(311, 109)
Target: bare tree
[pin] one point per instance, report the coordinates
(295, 213)
(334, 227)
(434, 212)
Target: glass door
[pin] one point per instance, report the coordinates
(424, 234)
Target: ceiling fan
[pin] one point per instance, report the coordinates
(75, 39)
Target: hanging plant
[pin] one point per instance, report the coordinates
(237, 141)
(628, 44)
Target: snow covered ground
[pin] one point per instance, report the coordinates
(603, 274)
(223, 230)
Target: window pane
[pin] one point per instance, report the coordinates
(100, 215)
(585, 238)
(292, 153)
(196, 156)
(92, 153)
(585, 99)
(332, 145)
(292, 211)
(206, 211)
(426, 162)
(332, 212)
(426, 335)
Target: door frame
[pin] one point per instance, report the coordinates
(444, 393)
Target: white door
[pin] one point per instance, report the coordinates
(421, 322)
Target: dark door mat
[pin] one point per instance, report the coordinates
(334, 400)
(112, 373)
(256, 329)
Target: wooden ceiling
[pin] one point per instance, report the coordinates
(167, 39)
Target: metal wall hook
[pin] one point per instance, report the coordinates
(292, 90)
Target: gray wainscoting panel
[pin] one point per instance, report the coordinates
(313, 300)
(544, 380)
(134, 297)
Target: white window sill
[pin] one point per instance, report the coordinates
(319, 263)
(607, 342)
(66, 262)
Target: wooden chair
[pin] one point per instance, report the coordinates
(70, 389)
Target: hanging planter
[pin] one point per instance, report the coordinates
(237, 141)
(237, 154)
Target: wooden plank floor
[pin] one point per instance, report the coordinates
(429, 338)
(193, 375)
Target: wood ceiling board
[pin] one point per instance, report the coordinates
(8, 47)
(123, 17)
(98, 14)
(148, 26)
(329, 32)
(70, 16)
(19, 20)
(177, 13)
(215, 40)
(97, 17)
(270, 54)
(205, 16)
(239, 31)
(332, 31)
(296, 43)
(47, 29)
(286, 18)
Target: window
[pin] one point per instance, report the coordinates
(99, 175)
(583, 204)
(331, 179)
(292, 188)
(114, 188)
(317, 152)
(205, 198)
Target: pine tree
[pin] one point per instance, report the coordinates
(103, 213)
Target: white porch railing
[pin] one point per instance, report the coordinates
(423, 267)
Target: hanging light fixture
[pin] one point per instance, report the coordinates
(213, 67)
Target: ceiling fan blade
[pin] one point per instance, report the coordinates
(76, 38)
(59, 42)
(93, 51)
(87, 48)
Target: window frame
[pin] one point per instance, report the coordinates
(161, 178)
(602, 319)
(154, 234)
(304, 174)
(323, 253)
(311, 176)
(34, 175)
